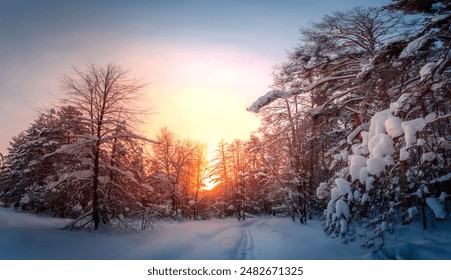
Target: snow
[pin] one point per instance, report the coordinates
(330, 208)
(443, 196)
(325, 80)
(437, 86)
(378, 122)
(410, 136)
(321, 191)
(397, 105)
(375, 166)
(395, 39)
(429, 156)
(357, 149)
(381, 145)
(344, 187)
(414, 46)
(394, 127)
(420, 142)
(359, 129)
(32, 237)
(266, 99)
(357, 195)
(404, 154)
(411, 128)
(418, 123)
(366, 68)
(25, 199)
(419, 193)
(426, 70)
(275, 94)
(341, 208)
(50, 143)
(369, 182)
(365, 198)
(440, 17)
(437, 207)
(343, 226)
(316, 110)
(430, 117)
(311, 63)
(335, 194)
(344, 155)
(363, 175)
(357, 163)
(443, 178)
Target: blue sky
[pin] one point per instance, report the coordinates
(205, 61)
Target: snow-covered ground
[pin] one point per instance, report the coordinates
(27, 236)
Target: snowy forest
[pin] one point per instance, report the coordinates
(355, 133)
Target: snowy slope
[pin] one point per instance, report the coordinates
(26, 236)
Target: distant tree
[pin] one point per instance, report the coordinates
(220, 174)
(200, 173)
(173, 161)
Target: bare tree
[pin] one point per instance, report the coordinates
(108, 99)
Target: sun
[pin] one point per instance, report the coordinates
(210, 182)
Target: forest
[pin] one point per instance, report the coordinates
(355, 132)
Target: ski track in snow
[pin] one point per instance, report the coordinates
(245, 249)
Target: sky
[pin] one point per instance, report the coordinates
(204, 61)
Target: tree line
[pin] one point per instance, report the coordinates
(86, 160)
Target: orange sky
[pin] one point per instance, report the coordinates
(208, 99)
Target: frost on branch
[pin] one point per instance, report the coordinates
(267, 99)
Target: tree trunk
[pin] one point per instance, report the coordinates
(95, 185)
(402, 176)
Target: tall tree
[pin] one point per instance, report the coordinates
(108, 99)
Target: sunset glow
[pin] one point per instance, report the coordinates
(208, 100)
(209, 185)
(211, 182)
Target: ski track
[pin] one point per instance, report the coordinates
(245, 248)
